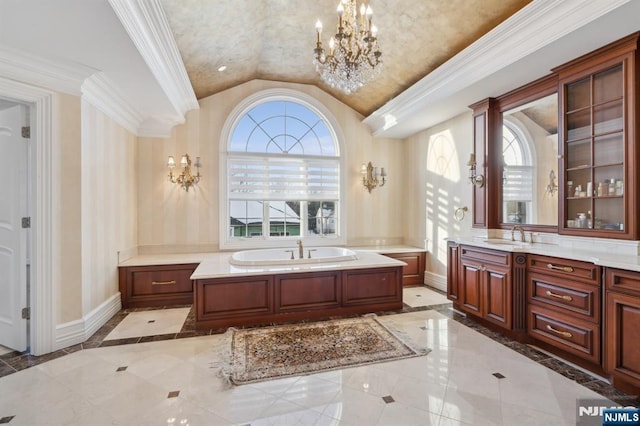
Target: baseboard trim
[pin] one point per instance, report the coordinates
(435, 280)
(78, 331)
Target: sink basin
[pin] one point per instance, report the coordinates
(501, 242)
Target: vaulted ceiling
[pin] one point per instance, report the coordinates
(146, 62)
(274, 40)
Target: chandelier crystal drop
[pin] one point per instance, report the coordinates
(354, 57)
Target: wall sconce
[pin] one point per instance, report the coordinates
(552, 187)
(370, 176)
(184, 179)
(477, 180)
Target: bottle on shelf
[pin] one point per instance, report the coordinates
(581, 220)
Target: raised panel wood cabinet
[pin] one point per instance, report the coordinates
(453, 270)
(598, 118)
(484, 285)
(622, 328)
(564, 304)
(156, 285)
(265, 299)
(413, 273)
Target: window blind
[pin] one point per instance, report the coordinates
(518, 183)
(279, 178)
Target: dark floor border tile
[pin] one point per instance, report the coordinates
(580, 377)
(15, 361)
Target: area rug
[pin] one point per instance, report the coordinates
(289, 350)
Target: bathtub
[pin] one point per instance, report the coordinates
(282, 256)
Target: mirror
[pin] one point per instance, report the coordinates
(530, 163)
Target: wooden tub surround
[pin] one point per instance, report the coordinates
(226, 295)
(254, 296)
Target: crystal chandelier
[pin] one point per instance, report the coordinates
(354, 57)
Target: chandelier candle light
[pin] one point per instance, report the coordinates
(184, 179)
(354, 57)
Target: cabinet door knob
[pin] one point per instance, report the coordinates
(163, 282)
(559, 296)
(559, 268)
(561, 333)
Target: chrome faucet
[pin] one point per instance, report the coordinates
(300, 250)
(517, 228)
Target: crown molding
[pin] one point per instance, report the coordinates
(538, 24)
(100, 92)
(103, 94)
(148, 28)
(152, 127)
(51, 74)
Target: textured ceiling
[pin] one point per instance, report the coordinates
(274, 40)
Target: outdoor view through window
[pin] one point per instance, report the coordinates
(283, 173)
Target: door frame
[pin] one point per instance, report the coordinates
(43, 273)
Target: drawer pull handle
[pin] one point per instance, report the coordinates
(559, 268)
(563, 297)
(561, 333)
(163, 282)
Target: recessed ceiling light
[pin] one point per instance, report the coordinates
(222, 68)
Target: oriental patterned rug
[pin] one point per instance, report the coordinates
(289, 350)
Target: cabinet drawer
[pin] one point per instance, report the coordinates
(581, 338)
(622, 281)
(570, 269)
(570, 297)
(496, 257)
(155, 282)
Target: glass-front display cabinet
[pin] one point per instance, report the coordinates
(598, 150)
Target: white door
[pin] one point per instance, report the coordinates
(13, 238)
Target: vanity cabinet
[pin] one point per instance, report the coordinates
(413, 272)
(453, 269)
(564, 304)
(484, 285)
(156, 285)
(622, 328)
(598, 104)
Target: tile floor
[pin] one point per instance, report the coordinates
(468, 378)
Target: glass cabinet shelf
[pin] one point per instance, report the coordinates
(595, 134)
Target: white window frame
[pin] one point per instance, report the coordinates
(269, 95)
(524, 139)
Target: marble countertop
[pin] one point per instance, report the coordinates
(608, 258)
(179, 258)
(388, 249)
(217, 265)
(167, 259)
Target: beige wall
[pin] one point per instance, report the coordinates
(435, 162)
(546, 204)
(66, 119)
(96, 204)
(171, 219)
(108, 203)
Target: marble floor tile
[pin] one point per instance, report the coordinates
(422, 296)
(468, 378)
(150, 323)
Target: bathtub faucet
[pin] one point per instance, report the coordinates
(300, 250)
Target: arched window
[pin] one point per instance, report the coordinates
(517, 177)
(282, 175)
